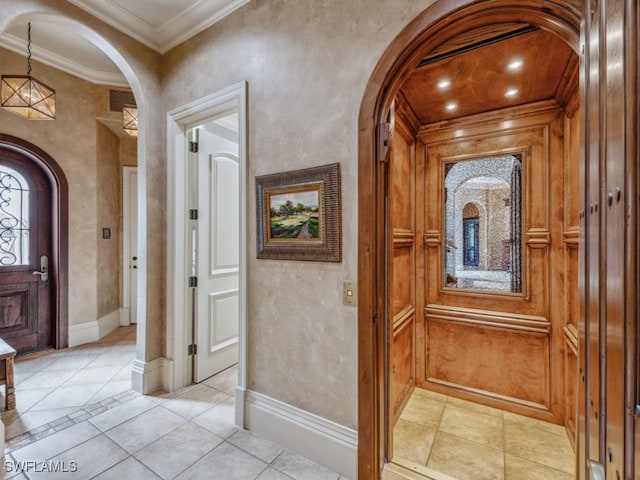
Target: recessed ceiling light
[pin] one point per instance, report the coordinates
(444, 84)
(511, 92)
(451, 106)
(515, 65)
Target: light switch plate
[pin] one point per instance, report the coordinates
(349, 293)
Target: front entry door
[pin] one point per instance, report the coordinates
(217, 307)
(25, 253)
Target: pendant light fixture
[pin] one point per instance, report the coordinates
(130, 119)
(26, 96)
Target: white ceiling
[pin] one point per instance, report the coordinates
(159, 24)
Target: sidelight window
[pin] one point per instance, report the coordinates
(14, 218)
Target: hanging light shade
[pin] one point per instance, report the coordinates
(130, 120)
(26, 96)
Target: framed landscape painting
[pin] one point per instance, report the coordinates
(299, 214)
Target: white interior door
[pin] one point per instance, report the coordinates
(130, 245)
(217, 253)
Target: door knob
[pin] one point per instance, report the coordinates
(44, 268)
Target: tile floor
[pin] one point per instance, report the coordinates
(188, 434)
(468, 441)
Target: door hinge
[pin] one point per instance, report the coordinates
(193, 281)
(192, 349)
(193, 214)
(384, 141)
(193, 147)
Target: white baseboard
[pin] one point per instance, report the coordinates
(87, 332)
(149, 377)
(241, 398)
(323, 441)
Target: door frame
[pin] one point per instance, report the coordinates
(439, 22)
(58, 265)
(127, 216)
(179, 121)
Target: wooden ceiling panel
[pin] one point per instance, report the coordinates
(479, 76)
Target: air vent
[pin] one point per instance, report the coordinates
(120, 98)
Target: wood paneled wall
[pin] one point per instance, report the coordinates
(515, 351)
(402, 254)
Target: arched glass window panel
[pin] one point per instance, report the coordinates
(14, 218)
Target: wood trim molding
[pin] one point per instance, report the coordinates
(403, 238)
(432, 238)
(403, 318)
(538, 238)
(571, 237)
(522, 323)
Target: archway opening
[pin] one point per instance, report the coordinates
(431, 37)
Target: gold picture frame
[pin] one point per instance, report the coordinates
(299, 215)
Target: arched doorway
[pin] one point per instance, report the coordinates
(440, 23)
(34, 225)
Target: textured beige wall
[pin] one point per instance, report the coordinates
(109, 207)
(64, 140)
(307, 63)
(71, 141)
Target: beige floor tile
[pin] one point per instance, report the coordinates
(219, 419)
(475, 407)
(127, 469)
(539, 446)
(46, 379)
(225, 381)
(91, 457)
(110, 389)
(464, 459)
(225, 462)
(535, 423)
(423, 410)
(25, 399)
(412, 441)
(69, 396)
(33, 363)
(195, 401)
(521, 469)
(388, 475)
(124, 373)
(110, 358)
(57, 443)
(137, 433)
(70, 362)
(273, 474)
(34, 419)
(120, 414)
(175, 452)
(93, 375)
(429, 395)
(302, 468)
(474, 426)
(257, 446)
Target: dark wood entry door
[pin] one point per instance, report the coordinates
(25, 249)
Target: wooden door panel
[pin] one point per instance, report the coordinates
(25, 297)
(402, 291)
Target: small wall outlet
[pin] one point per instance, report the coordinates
(106, 233)
(349, 293)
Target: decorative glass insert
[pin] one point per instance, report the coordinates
(14, 218)
(483, 223)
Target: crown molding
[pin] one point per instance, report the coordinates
(42, 55)
(198, 17)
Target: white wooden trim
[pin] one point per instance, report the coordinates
(179, 120)
(317, 438)
(148, 377)
(87, 332)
